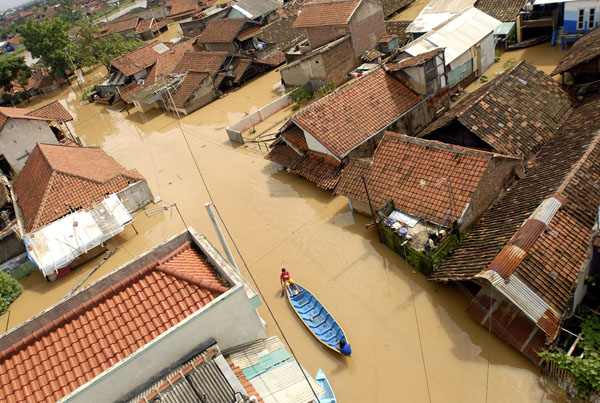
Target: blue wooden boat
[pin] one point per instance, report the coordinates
(314, 315)
(328, 396)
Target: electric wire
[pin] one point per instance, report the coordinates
(491, 316)
(412, 295)
(235, 244)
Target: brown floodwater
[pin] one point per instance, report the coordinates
(278, 219)
(410, 12)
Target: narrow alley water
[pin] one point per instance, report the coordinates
(278, 219)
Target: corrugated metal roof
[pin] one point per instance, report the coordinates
(457, 36)
(546, 210)
(436, 12)
(283, 381)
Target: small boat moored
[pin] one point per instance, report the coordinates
(318, 320)
(328, 396)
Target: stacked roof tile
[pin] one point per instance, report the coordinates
(512, 240)
(58, 358)
(355, 112)
(417, 175)
(166, 61)
(582, 51)
(179, 8)
(320, 13)
(129, 24)
(221, 30)
(56, 180)
(515, 114)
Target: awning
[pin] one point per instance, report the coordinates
(60, 242)
(504, 29)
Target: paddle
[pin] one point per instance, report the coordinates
(282, 292)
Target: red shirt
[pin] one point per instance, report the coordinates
(284, 276)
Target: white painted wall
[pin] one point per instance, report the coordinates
(487, 55)
(19, 136)
(314, 145)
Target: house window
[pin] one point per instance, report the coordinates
(592, 18)
(580, 21)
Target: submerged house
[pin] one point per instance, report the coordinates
(232, 35)
(118, 337)
(529, 254)
(515, 114)
(338, 33)
(580, 67)
(22, 128)
(468, 40)
(316, 142)
(61, 186)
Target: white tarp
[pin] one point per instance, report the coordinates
(60, 242)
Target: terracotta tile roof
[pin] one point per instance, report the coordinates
(147, 24)
(356, 111)
(415, 174)
(371, 55)
(209, 62)
(320, 13)
(222, 30)
(273, 60)
(248, 33)
(284, 156)
(549, 257)
(321, 169)
(282, 31)
(52, 111)
(120, 26)
(181, 7)
(166, 62)
(391, 6)
(137, 60)
(127, 90)
(412, 61)
(582, 51)
(503, 10)
(248, 387)
(240, 67)
(56, 179)
(515, 114)
(398, 28)
(188, 85)
(86, 341)
(295, 137)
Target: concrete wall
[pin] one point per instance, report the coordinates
(487, 54)
(136, 196)
(319, 36)
(18, 139)
(572, 15)
(205, 94)
(230, 319)
(367, 26)
(235, 130)
(11, 246)
(323, 67)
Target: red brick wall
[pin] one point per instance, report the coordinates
(339, 61)
(367, 27)
(495, 179)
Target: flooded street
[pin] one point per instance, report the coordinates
(278, 219)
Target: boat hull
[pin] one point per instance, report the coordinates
(316, 318)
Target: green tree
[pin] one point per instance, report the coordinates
(87, 46)
(115, 45)
(10, 289)
(67, 11)
(11, 71)
(50, 41)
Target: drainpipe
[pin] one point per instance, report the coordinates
(221, 237)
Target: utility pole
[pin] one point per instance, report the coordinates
(221, 237)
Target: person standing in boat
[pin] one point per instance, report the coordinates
(344, 347)
(287, 282)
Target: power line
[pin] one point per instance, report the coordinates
(412, 295)
(234, 243)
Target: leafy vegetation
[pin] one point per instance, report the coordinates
(50, 41)
(10, 289)
(585, 370)
(301, 94)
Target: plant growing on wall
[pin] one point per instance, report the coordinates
(10, 289)
(585, 369)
